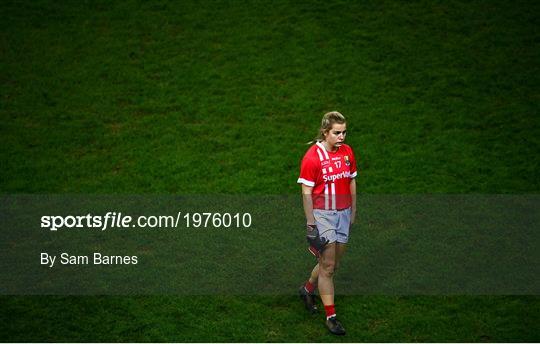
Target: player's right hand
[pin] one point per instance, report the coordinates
(316, 244)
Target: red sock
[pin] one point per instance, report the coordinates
(330, 311)
(310, 287)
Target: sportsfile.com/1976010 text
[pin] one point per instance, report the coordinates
(121, 221)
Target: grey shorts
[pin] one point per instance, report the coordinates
(333, 224)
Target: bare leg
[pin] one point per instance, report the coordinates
(340, 250)
(314, 275)
(326, 274)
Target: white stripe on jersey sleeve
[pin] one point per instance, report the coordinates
(320, 154)
(326, 156)
(354, 175)
(305, 182)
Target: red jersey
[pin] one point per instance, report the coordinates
(330, 174)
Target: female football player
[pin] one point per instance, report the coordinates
(327, 176)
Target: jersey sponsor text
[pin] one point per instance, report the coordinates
(334, 177)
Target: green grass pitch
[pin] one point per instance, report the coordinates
(220, 97)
